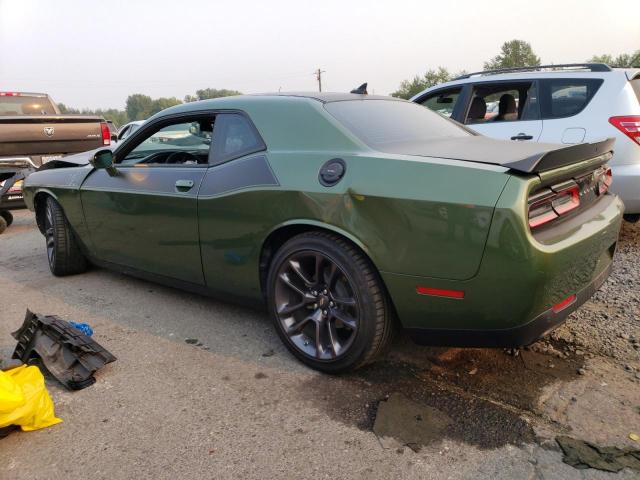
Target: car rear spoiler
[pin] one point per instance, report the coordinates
(561, 157)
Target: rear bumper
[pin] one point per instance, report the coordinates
(520, 279)
(508, 337)
(12, 202)
(626, 184)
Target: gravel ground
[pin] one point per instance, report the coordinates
(609, 324)
(232, 403)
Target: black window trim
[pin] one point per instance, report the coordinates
(139, 135)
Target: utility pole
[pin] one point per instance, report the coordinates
(319, 78)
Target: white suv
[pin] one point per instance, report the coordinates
(568, 104)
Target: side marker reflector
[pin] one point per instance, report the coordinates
(440, 292)
(558, 307)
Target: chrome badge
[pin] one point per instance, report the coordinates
(48, 131)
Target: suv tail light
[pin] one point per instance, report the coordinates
(106, 134)
(629, 125)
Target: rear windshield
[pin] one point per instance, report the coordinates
(385, 124)
(635, 83)
(25, 105)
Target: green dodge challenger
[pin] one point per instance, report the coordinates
(348, 215)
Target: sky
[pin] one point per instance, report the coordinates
(88, 53)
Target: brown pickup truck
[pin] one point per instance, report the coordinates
(32, 132)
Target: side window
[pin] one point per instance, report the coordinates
(184, 143)
(234, 136)
(503, 102)
(442, 102)
(562, 98)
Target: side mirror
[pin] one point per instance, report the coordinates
(104, 159)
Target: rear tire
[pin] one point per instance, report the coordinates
(63, 251)
(8, 216)
(3, 224)
(632, 217)
(328, 303)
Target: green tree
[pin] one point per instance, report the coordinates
(161, 103)
(138, 106)
(622, 60)
(514, 53)
(207, 93)
(409, 88)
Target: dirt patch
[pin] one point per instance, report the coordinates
(354, 399)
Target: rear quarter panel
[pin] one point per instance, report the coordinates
(415, 217)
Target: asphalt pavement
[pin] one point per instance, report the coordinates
(205, 389)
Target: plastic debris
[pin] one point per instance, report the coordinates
(24, 400)
(83, 327)
(68, 354)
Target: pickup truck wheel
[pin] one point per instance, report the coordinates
(63, 252)
(328, 303)
(3, 224)
(8, 216)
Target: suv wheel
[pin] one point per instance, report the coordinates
(327, 303)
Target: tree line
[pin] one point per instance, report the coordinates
(141, 107)
(514, 53)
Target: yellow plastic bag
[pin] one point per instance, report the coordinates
(24, 400)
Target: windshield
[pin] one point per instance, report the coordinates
(384, 124)
(25, 105)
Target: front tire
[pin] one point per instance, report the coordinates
(328, 303)
(63, 251)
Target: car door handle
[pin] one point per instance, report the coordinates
(522, 136)
(184, 185)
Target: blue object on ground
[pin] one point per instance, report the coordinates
(83, 327)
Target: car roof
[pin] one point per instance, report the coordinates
(242, 102)
(327, 97)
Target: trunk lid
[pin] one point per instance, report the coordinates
(524, 157)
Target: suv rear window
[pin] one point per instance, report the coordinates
(383, 124)
(560, 98)
(25, 105)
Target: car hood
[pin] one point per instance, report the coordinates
(526, 157)
(77, 160)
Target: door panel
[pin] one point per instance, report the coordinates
(146, 218)
(506, 110)
(507, 130)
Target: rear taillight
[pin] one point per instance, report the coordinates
(106, 134)
(9, 94)
(549, 204)
(629, 125)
